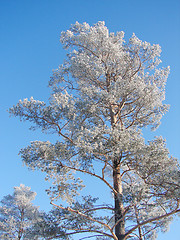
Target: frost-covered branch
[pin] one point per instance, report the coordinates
(176, 210)
(89, 218)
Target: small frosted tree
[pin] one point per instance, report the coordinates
(17, 213)
(102, 97)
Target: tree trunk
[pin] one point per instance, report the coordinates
(21, 230)
(119, 209)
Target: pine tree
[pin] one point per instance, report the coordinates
(103, 95)
(17, 213)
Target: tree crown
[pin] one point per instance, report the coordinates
(103, 94)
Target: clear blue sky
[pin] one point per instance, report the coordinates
(30, 49)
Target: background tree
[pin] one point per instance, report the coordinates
(103, 95)
(17, 213)
(48, 226)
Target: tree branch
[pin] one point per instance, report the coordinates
(81, 231)
(92, 174)
(154, 219)
(87, 217)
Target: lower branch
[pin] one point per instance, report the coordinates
(89, 218)
(81, 231)
(154, 219)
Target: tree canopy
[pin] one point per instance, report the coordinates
(103, 95)
(17, 213)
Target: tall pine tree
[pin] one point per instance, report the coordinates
(103, 95)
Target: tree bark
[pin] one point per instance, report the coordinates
(119, 209)
(21, 230)
(117, 183)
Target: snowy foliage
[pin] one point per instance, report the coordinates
(103, 95)
(17, 213)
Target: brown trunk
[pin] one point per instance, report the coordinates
(119, 209)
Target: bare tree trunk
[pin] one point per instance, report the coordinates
(119, 209)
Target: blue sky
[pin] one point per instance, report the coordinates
(30, 50)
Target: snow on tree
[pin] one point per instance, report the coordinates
(17, 213)
(103, 95)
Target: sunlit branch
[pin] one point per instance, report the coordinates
(103, 169)
(92, 174)
(51, 123)
(81, 231)
(176, 210)
(87, 217)
(99, 208)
